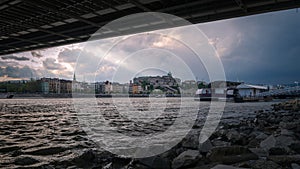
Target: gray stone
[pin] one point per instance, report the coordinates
(277, 151)
(285, 159)
(191, 141)
(284, 141)
(288, 125)
(268, 143)
(259, 164)
(187, 158)
(296, 147)
(221, 166)
(220, 143)
(205, 146)
(155, 162)
(295, 166)
(107, 166)
(261, 136)
(259, 152)
(233, 135)
(231, 155)
(286, 132)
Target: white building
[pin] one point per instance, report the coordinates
(247, 90)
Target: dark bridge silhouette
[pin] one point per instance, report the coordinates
(34, 24)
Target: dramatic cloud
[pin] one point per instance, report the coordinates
(69, 55)
(258, 49)
(13, 57)
(51, 64)
(18, 72)
(90, 67)
(255, 49)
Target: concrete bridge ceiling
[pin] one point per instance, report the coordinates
(34, 24)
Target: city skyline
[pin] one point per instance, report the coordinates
(252, 49)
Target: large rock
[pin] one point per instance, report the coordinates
(286, 132)
(261, 136)
(264, 164)
(284, 141)
(220, 143)
(120, 162)
(156, 162)
(185, 159)
(230, 155)
(87, 158)
(268, 143)
(233, 135)
(295, 166)
(295, 146)
(191, 141)
(285, 159)
(221, 166)
(259, 152)
(277, 151)
(205, 147)
(289, 125)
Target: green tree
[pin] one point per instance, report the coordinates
(201, 85)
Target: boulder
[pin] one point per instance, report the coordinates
(205, 146)
(289, 125)
(259, 152)
(118, 162)
(85, 159)
(295, 166)
(295, 146)
(284, 141)
(277, 151)
(261, 163)
(155, 162)
(231, 155)
(191, 141)
(261, 136)
(221, 166)
(285, 159)
(286, 132)
(268, 143)
(185, 159)
(220, 143)
(233, 135)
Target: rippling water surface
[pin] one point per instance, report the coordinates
(42, 132)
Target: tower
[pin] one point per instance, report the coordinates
(74, 77)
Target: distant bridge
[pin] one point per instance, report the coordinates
(282, 93)
(35, 24)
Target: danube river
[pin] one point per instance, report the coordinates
(52, 132)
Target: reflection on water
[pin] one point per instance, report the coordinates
(43, 132)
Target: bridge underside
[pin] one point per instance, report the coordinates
(34, 24)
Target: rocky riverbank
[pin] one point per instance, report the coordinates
(270, 140)
(46, 134)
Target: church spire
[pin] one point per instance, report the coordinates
(74, 77)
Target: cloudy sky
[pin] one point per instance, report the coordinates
(255, 49)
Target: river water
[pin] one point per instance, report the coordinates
(41, 132)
